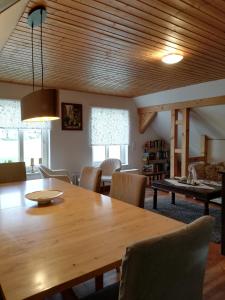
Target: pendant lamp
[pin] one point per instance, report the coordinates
(40, 105)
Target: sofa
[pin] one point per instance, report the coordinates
(207, 171)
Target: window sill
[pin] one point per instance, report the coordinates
(34, 175)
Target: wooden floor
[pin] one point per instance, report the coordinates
(214, 286)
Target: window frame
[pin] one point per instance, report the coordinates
(123, 154)
(45, 144)
(124, 148)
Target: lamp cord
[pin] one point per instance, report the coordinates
(32, 42)
(42, 68)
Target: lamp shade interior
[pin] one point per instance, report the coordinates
(41, 105)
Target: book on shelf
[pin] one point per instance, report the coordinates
(156, 157)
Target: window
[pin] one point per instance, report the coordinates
(109, 134)
(21, 141)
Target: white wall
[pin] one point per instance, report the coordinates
(205, 120)
(70, 149)
(191, 92)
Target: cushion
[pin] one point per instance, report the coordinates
(200, 170)
(211, 172)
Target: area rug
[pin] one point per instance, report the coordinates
(186, 211)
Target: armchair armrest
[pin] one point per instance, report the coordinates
(62, 177)
(60, 172)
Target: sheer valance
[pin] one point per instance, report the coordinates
(109, 126)
(10, 116)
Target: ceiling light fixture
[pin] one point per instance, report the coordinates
(172, 58)
(40, 105)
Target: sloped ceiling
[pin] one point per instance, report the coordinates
(115, 47)
(208, 120)
(10, 13)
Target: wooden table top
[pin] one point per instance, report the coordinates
(46, 249)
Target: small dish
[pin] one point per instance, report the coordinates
(44, 196)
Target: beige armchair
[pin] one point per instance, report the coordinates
(170, 266)
(108, 167)
(10, 172)
(90, 179)
(129, 188)
(59, 174)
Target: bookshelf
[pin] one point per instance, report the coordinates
(156, 160)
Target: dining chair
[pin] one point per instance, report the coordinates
(108, 167)
(59, 174)
(129, 188)
(170, 266)
(10, 172)
(90, 179)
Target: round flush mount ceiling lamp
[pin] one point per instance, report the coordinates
(172, 58)
(42, 104)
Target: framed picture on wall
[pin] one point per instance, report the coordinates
(71, 116)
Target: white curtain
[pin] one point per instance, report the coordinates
(109, 126)
(10, 116)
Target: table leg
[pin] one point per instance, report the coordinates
(99, 282)
(206, 209)
(173, 198)
(155, 199)
(223, 216)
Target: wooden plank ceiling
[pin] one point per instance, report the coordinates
(114, 47)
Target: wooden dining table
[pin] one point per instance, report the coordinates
(50, 248)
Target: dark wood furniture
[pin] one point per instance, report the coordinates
(151, 176)
(204, 195)
(156, 159)
(223, 215)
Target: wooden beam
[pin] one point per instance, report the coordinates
(185, 142)
(179, 122)
(180, 105)
(178, 151)
(204, 147)
(145, 120)
(173, 144)
(194, 159)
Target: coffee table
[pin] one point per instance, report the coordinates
(202, 194)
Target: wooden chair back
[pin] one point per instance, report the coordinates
(11, 172)
(128, 188)
(168, 267)
(90, 179)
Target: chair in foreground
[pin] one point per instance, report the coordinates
(129, 188)
(58, 174)
(108, 167)
(90, 179)
(10, 172)
(167, 267)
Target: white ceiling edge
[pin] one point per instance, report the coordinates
(191, 92)
(9, 19)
